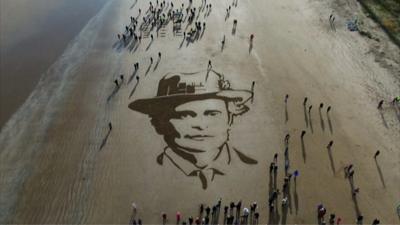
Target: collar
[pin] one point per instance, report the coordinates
(185, 162)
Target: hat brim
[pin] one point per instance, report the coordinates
(157, 105)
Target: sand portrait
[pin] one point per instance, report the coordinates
(194, 112)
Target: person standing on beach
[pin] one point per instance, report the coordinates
(328, 109)
(164, 217)
(303, 132)
(287, 139)
(376, 154)
(178, 217)
(329, 144)
(271, 167)
(190, 220)
(380, 104)
(376, 222)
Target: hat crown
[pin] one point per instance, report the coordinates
(191, 83)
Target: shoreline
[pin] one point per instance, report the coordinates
(33, 42)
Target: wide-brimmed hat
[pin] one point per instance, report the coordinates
(177, 88)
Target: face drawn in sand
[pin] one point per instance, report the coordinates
(194, 112)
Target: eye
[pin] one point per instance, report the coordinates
(212, 113)
(184, 115)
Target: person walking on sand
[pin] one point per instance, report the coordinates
(256, 216)
(347, 170)
(321, 105)
(303, 132)
(287, 139)
(159, 55)
(321, 211)
(209, 64)
(110, 126)
(376, 222)
(286, 98)
(275, 169)
(178, 217)
(296, 174)
(134, 207)
(329, 145)
(271, 167)
(360, 219)
(116, 83)
(328, 109)
(164, 217)
(226, 210)
(276, 158)
(151, 60)
(351, 174)
(309, 109)
(376, 154)
(190, 220)
(208, 209)
(355, 191)
(380, 104)
(305, 101)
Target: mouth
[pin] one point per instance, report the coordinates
(198, 137)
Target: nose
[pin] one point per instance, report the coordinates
(198, 124)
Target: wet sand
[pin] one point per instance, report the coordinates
(53, 169)
(34, 34)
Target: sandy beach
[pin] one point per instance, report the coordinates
(61, 164)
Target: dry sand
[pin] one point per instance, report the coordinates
(53, 171)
